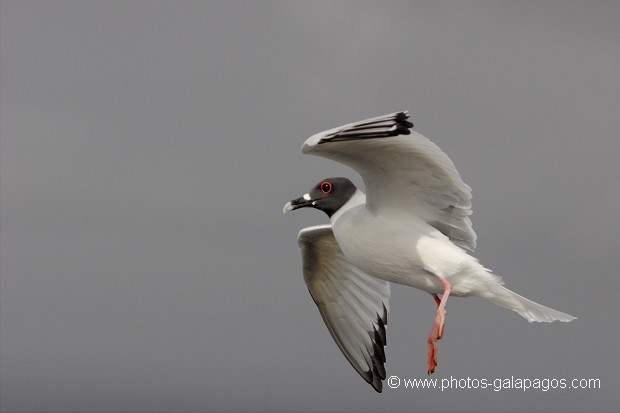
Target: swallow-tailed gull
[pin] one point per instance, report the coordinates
(412, 228)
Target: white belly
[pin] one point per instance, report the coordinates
(407, 252)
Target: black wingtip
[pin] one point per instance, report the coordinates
(393, 124)
(377, 373)
(402, 118)
(378, 386)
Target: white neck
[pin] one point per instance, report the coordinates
(358, 198)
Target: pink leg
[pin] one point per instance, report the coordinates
(438, 301)
(437, 329)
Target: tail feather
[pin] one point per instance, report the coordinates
(528, 309)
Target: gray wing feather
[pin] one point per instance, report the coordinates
(353, 304)
(403, 171)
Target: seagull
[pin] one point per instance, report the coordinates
(412, 227)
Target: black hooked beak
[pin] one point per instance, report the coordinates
(301, 202)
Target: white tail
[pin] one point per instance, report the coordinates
(528, 309)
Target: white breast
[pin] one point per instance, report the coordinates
(400, 254)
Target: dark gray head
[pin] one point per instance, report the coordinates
(328, 196)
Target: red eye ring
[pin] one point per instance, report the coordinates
(326, 187)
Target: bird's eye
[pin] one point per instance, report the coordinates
(326, 187)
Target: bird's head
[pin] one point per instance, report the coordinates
(328, 196)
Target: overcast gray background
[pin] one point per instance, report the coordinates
(148, 148)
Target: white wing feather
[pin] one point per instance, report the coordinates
(403, 172)
(353, 304)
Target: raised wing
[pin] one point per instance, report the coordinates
(403, 172)
(353, 304)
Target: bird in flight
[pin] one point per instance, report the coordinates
(412, 227)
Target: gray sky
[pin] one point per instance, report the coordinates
(147, 149)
